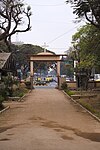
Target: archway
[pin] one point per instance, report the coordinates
(45, 56)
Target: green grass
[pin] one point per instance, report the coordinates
(70, 92)
(85, 103)
(89, 107)
(20, 92)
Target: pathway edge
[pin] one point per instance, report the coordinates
(95, 117)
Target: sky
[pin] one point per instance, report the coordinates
(52, 23)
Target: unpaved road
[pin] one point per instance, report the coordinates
(48, 120)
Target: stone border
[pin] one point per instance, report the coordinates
(95, 117)
(4, 109)
(20, 100)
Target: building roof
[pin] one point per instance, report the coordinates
(3, 58)
(45, 53)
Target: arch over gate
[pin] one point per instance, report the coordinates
(45, 56)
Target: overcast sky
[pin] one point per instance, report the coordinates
(52, 23)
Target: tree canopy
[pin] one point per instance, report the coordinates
(12, 16)
(87, 45)
(22, 53)
(90, 9)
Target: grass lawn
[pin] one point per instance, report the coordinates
(90, 103)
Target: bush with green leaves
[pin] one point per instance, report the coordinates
(20, 92)
(64, 86)
(9, 81)
(1, 100)
(28, 84)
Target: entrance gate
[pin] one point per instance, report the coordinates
(45, 56)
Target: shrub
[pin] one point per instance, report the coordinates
(1, 100)
(64, 86)
(9, 81)
(19, 92)
(28, 84)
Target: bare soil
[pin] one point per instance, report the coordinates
(47, 119)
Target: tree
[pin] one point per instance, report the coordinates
(22, 53)
(90, 9)
(3, 47)
(67, 66)
(12, 15)
(86, 43)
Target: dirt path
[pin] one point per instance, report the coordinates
(47, 120)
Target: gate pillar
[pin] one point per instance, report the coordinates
(31, 73)
(58, 74)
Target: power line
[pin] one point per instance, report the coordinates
(62, 35)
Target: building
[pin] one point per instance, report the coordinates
(7, 64)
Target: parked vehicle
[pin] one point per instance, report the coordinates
(67, 79)
(97, 77)
(40, 83)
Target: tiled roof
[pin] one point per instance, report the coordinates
(3, 58)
